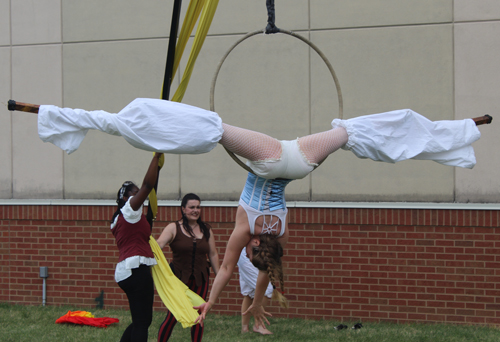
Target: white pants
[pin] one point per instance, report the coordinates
(148, 124)
(404, 134)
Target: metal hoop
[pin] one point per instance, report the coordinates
(290, 33)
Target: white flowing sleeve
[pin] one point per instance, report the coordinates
(148, 124)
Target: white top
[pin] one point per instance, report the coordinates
(124, 268)
(248, 277)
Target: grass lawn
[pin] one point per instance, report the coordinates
(37, 323)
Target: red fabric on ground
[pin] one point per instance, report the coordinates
(76, 318)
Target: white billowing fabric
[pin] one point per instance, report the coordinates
(148, 124)
(248, 277)
(404, 134)
(292, 163)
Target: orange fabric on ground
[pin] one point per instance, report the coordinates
(86, 318)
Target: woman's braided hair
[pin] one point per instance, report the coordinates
(267, 258)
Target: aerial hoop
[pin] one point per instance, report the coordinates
(290, 33)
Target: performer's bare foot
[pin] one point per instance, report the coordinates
(244, 329)
(262, 330)
(485, 119)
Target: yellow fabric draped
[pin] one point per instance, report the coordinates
(176, 296)
(192, 14)
(207, 8)
(153, 199)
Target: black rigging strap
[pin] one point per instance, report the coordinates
(271, 28)
(172, 40)
(167, 81)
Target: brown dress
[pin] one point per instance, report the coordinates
(189, 257)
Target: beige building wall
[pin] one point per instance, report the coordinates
(477, 81)
(437, 57)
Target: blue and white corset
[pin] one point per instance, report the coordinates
(264, 194)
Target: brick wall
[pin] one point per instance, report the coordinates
(353, 264)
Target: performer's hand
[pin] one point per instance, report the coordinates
(259, 315)
(203, 310)
(161, 159)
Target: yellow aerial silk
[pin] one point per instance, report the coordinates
(153, 200)
(192, 14)
(176, 296)
(207, 9)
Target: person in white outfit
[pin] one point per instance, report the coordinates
(248, 282)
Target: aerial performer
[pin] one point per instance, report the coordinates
(261, 224)
(170, 127)
(261, 217)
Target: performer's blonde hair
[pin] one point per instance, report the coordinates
(267, 258)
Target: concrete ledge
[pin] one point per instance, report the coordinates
(290, 204)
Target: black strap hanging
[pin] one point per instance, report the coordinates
(167, 80)
(174, 27)
(271, 28)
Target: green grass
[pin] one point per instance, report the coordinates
(37, 323)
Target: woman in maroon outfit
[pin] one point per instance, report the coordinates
(131, 231)
(191, 242)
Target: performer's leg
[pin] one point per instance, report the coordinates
(404, 134)
(166, 327)
(127, 333)
(316, 147)
(202, 291)
(250, 144)
(245, 319)
(139, 288)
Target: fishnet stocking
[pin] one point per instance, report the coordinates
(249, 144)
(316, 147)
